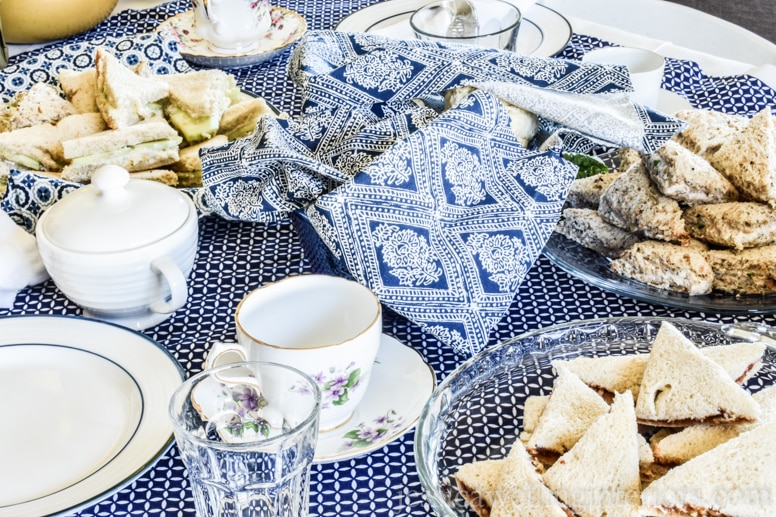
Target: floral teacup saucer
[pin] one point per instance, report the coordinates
(287, 27)
(400, 385)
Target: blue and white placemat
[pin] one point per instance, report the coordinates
(236, 257)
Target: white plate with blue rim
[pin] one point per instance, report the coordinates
(544, 32)
(84, 408)
(400, 385)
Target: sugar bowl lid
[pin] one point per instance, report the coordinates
(114, 213)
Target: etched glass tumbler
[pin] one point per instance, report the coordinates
(247, 433)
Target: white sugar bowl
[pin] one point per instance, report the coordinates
(121, 248)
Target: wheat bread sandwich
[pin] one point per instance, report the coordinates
(80, 88)
(165, 176)
(123, 97)
(586, 192)
(600, 475)
(732, 225)
(147, 145)
(633, 203)
(197, 101)
(40, 104)
(586, 227)
(571, 409)
(748, 159)
(680, 447)
(681, 386)
(735, 479)
(682, 175)
(619, 373)
(477, 483)
(666, 265)
(748, 271)
(707, 130)
(240, 119)
(521, 491)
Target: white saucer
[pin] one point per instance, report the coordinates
(401, 384)
(287, 27)
(669, 102)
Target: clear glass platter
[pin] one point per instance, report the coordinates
(593, 268)
(476, 412)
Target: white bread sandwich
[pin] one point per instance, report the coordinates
(571, 409)
(680, 447)
(80, 87)
(123, 97)
(240, 119)
(140, 147)
(533, 407)
(740, 360)
(610, 374)
(189, 166)
(599, 476)
(617, 374)
(76, 126)
(31, 147)
(197, 100)
(521, 491)
(477, 482)
(681, 386)
(39, 147)
(735, 479)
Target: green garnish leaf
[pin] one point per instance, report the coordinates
(588, 165)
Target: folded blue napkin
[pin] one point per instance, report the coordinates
(441, 212)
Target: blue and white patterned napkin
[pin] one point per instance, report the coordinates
(440, 212)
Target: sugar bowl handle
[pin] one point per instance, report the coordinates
(169, 270)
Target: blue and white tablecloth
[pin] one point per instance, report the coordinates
(236, 257)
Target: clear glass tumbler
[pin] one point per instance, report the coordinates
(485, 23)
(247, 433)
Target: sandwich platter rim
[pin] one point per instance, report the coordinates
(195, 50)
(476, 412)
(593, 268)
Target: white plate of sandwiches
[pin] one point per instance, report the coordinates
(152, 124)
(615, 417)
(692, 225)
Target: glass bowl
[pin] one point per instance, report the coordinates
(485, 23)
(476, 412)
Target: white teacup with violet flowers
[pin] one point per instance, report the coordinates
(325, 326)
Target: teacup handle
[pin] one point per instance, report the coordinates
(179, 292)
(221, 354)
